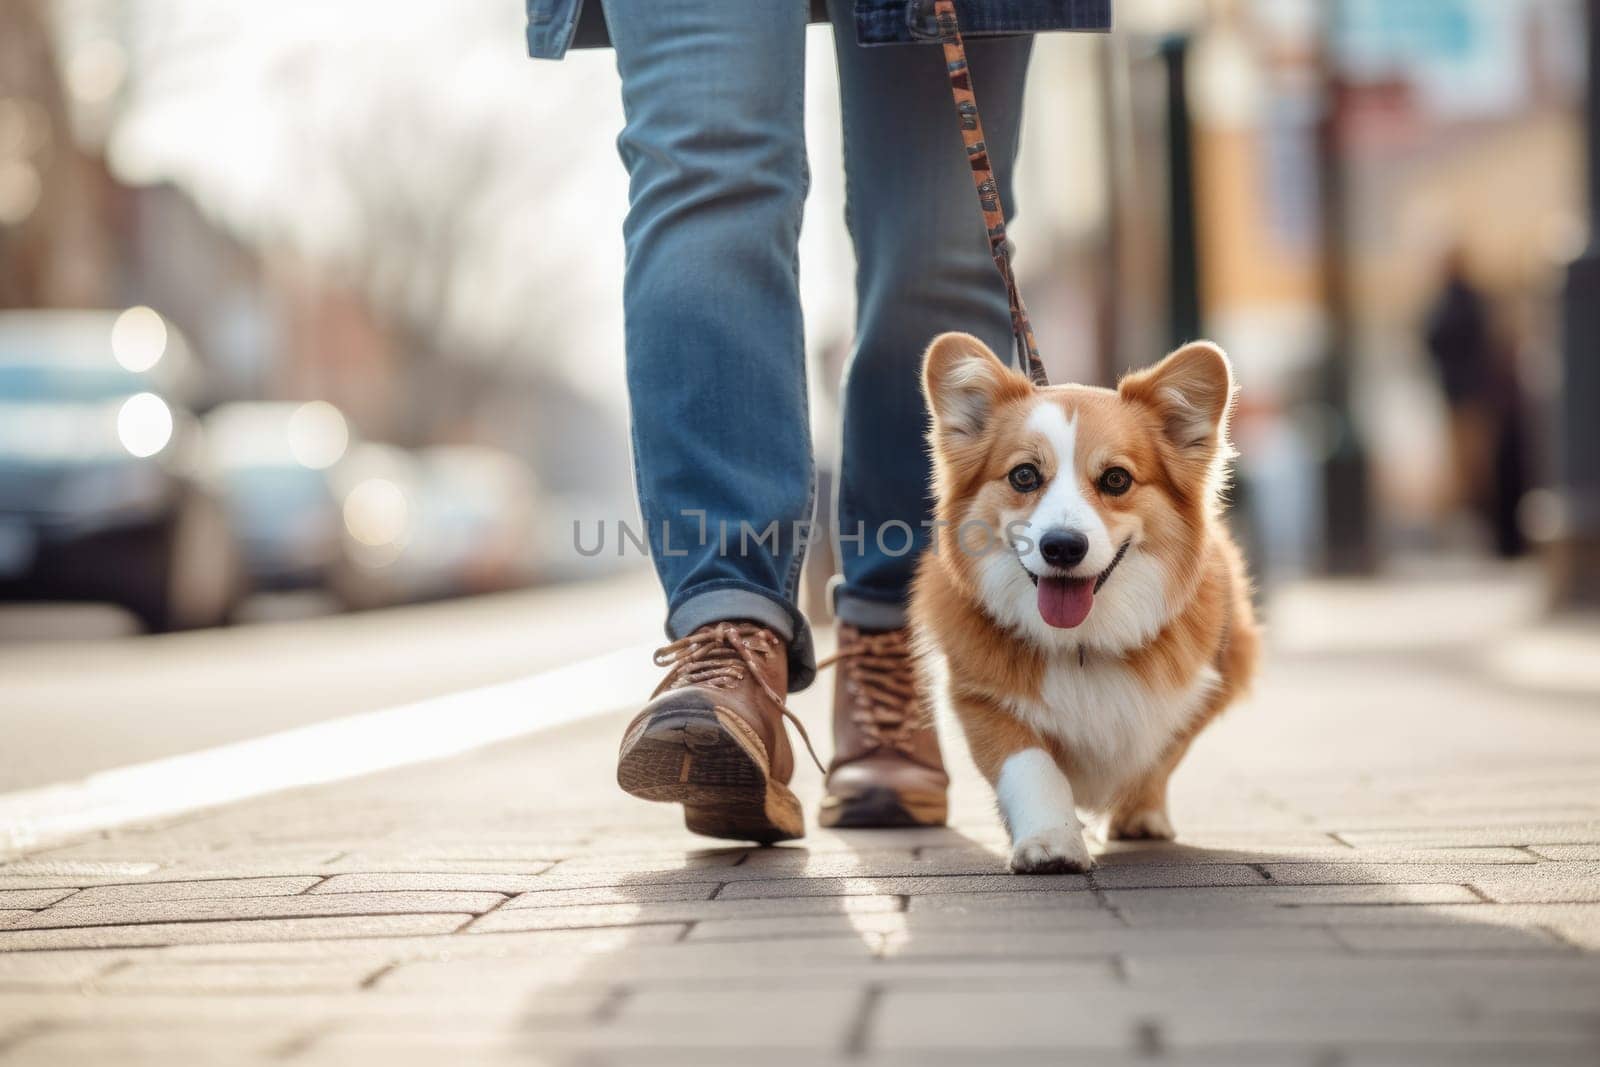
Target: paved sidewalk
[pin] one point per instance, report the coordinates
(1390, 856)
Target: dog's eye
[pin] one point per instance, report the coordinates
(1025, 478)
(1115, 481)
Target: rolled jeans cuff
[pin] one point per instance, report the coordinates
(727, 603)
(867, 614)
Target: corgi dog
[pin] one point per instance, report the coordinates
(1083, 611)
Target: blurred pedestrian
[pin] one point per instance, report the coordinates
(1457, 333)
(714, 144)
(1478, 376)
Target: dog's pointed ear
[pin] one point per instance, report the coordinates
(1191, 391)
(964, 382)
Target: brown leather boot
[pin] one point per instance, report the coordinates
(712, 736)
(886, 768)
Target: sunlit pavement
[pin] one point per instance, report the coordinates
(1391, 855)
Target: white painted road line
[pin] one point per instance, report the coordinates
(325, 752)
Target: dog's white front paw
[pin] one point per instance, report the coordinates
(1060, 850)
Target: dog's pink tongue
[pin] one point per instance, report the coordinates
(1065, 602)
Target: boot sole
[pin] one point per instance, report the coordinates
(882, 808)
(709, 762)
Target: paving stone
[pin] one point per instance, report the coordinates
(1271, 1056)
(537, 859)
(439, 882)
(1450, 938)
(1239, 838)
(51, 970)
(589, 871)
(979, 1019)
(1444, 1053)
(792, 863)
(573, 1045)
(1502, 814)
(1268, 895)
(1199, 875)
(1416, 873)
(515, 868)
(409, 947)
(122, 851)
(1503, 977)
(675, 911)
(145, 892)
(199, 933)
(1181, 854)
(1578, 924)
(483, 1005)
(1003, 907)
(148, 1046)
(1549, 883)
(73, 870)
(302, 976)
(819, 1019)
(970, 834)
(1567, 852)
(1117, 941)
(868, 928)
(178, 874)
(207, 867)
(1576, 833)
(254, 908)
(21, 899)
(894, 926)
(618, 894)
(635, 964)
(907, 886)
(1416, 1019)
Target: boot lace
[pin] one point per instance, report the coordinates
(881, 681)
(721, 657)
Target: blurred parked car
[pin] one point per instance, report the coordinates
(444, 521)
(274, 464)
(478, 511)
(101, 493)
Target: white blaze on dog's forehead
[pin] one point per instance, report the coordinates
(1059, 431)
(1063, 505)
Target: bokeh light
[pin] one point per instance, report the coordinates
(318, 435)
(144, 424)
(139, 339)
(376, 513)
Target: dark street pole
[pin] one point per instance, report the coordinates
(1575, 554)
(1183, 257)
(1347, 527)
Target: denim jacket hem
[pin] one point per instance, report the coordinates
(554, 26)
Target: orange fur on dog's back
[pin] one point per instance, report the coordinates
(1170, 639)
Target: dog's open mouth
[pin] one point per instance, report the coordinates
(1065, 602)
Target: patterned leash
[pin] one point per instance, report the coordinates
(994, 217)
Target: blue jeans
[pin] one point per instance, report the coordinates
(714, 143)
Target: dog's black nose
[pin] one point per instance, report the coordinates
(1064, 548)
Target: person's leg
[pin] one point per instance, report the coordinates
(923, 268)
(715, 149)
(714, 144)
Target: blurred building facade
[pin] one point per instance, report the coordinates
(402, 252)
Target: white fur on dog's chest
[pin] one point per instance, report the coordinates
(1113, 722)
